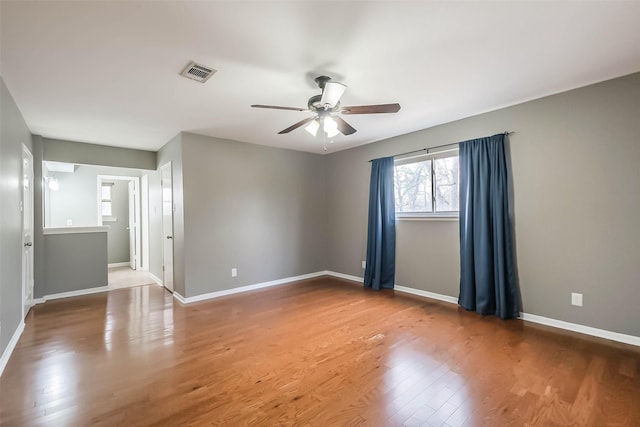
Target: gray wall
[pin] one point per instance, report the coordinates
(258, 209)
(13, 133)
(172, 152)
(75, 261)
(117, 231)
(77, 197)
(575, 160)
(92, 154)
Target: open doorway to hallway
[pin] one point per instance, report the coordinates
(125, 277)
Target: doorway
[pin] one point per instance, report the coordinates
(119, 209)
(27, 230)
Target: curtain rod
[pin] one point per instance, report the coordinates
(433, 148)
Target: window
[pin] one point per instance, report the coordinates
(106, 198)
(427, 185)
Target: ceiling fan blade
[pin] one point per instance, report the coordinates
(332, 93)
(344, 127)
(297, 125)
(371, 109)
(275, 107)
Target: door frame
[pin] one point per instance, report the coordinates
(167, 166)
(27, 276)
(138, 217)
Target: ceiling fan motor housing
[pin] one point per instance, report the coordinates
(322, 81)
(315, 105)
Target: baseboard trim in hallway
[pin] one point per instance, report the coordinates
(71, 294)
(11, 346)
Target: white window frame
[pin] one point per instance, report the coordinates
(442, 215)
(106, 218)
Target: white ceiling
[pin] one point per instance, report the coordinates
(108, 72)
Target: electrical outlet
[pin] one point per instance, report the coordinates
(234, 272)
(364, 264)
(69, 222)
(576, 299)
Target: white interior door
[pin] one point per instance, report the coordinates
(27, 230)
(167, 227)
(132, 226)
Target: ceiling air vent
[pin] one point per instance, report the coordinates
(197, 72)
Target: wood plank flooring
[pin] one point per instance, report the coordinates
(319, 352)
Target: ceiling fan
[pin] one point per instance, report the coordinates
(326, 106)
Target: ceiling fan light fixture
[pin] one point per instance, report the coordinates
(313, 127)
(330, 127)
(332, 93)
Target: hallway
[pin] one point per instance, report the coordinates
(125, 277)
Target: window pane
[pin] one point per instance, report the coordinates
(447, 191)
(106, 192)
(106, 208)
(412, 183)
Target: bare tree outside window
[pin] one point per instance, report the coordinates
(446, 184)
(427, 185)
(413, 187)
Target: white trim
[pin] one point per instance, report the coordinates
(155, 279)
(419, 292)
(427, 218)
(74, 293)
(533, 318)
(28, 230)
(583, 329)
(225, 292)
(11, 346)
(118, 264)
(144, 222)
(426, 294)
(74, 230)
(180, 298)
(137, 261)
(345, 276)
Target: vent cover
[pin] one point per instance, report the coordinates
(197, 72)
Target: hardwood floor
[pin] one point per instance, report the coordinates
(319, 352)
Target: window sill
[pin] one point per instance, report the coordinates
(74, 230)
(428, 218)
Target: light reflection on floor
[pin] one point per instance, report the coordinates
(144, 322)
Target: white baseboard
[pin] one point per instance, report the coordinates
(560, 324)
(6, 354)
(426, 294)
(73, 293)
(155, 279)
(119, 264)
(576, 327)
(405, 289)
(217, 294)
(345, 276)
(180, 298)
